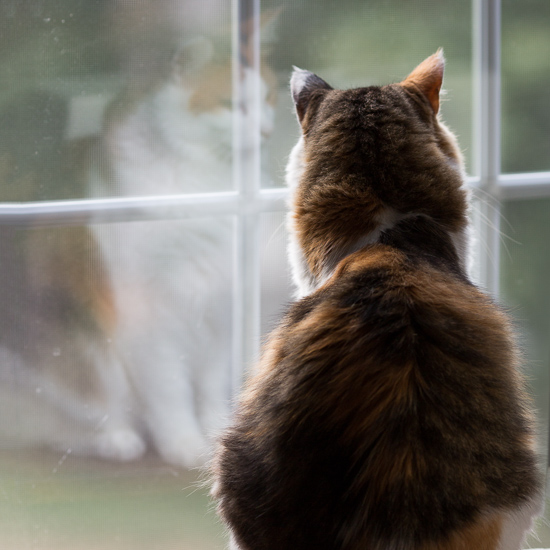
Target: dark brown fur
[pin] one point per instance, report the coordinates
(387, 411)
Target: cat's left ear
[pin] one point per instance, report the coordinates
(303, 85)
(427, 78)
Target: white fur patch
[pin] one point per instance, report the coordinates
(462, 241)
(299, 80)
(301, 275)
(517, 526)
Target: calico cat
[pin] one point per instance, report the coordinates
(118, 335)
(171, 279)
(62, 384)
(387, 411)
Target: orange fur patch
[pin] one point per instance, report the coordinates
(213, 90)
(428, 77)
(483, 535)
(69, 260)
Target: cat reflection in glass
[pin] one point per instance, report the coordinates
(117, 337)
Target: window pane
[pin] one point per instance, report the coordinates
(115, 98)
(525, 84)
(525, 264)
(115, 344)
(358, 43)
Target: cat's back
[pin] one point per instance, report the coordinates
(388, 409)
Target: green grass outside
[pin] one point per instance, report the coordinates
(49, 502)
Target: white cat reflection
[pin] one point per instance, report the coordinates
(171, 281)
(126, 338)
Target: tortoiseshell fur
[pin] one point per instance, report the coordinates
(388, 410)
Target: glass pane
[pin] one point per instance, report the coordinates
(277, 287)
(358, 43)
(525, 264)
(525, 84)
(115, 98)
(115, 343)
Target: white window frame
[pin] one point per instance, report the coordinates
(248, 201)
(490, 185)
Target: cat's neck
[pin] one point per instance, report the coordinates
(417, 236)
(420, 238)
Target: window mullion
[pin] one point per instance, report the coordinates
(118, 209)
(533, 185)
(247, 174)
(487, 121)
(124, 209)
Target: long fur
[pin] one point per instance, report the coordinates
(388, 410)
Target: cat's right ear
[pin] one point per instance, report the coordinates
(191, 57)
(303, 85)
(427, 78)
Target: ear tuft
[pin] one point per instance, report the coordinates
(302, 85)
(428, 77)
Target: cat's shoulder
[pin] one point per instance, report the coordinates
(394, 300)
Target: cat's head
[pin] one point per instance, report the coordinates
(202, 83)
(188, 103)
(366, 159)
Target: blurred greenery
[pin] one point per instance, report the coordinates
(525, 84)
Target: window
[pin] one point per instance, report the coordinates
(142, 243)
